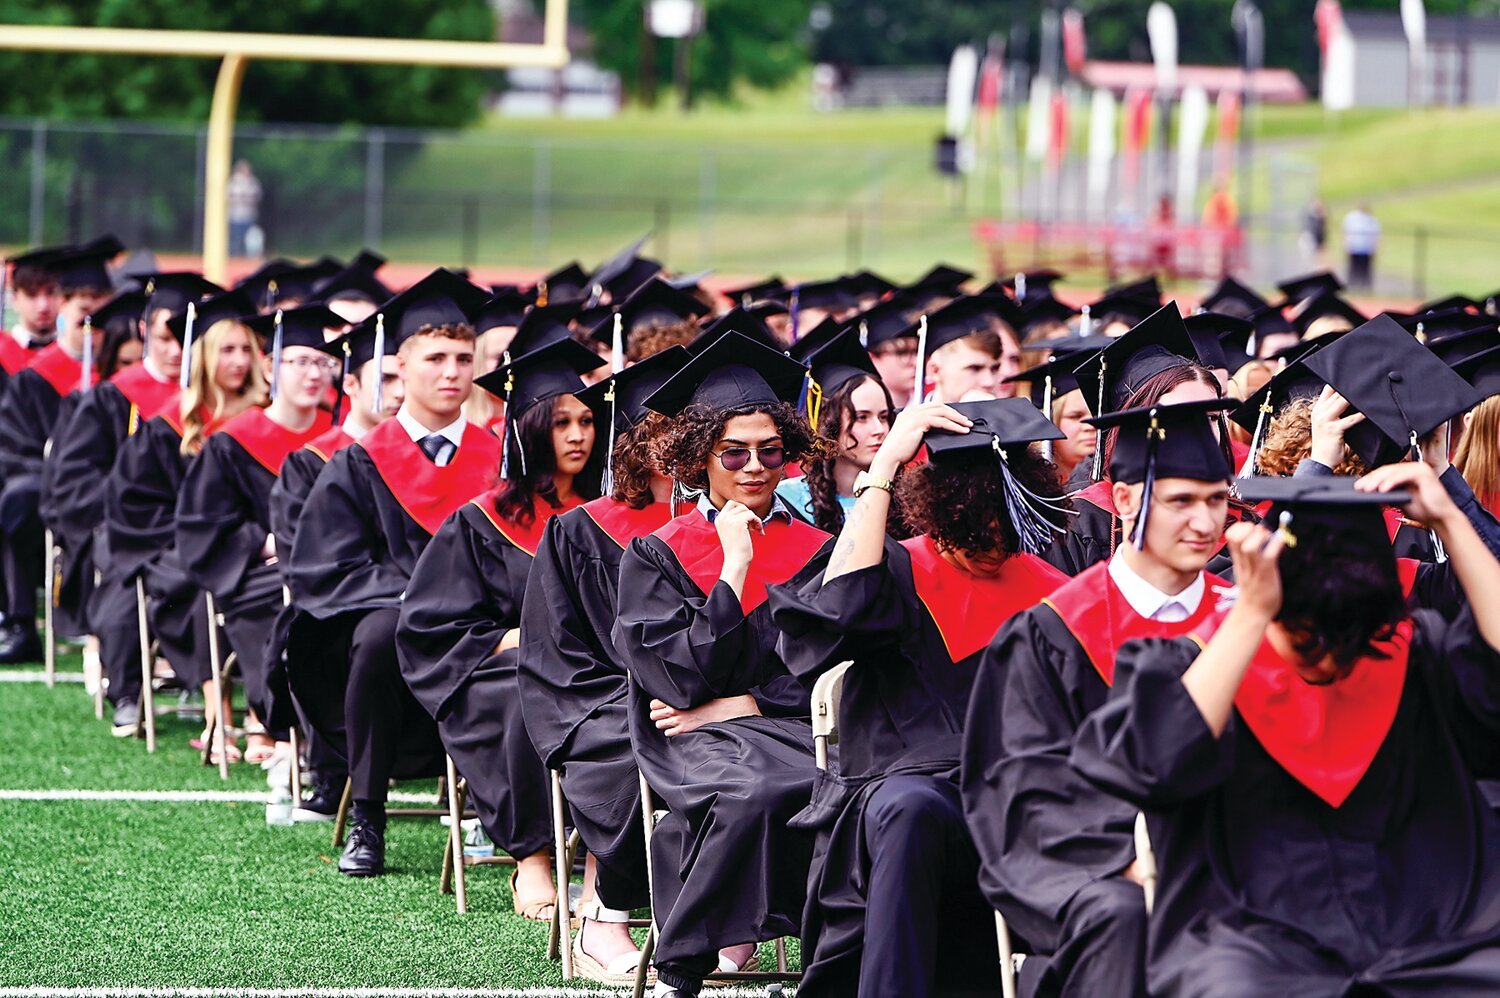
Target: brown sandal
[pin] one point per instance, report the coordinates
(535, 909)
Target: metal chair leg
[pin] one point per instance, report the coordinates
(561, 941)
(294, 766)
(648, 823)
(221, 726)
(781, 954)
(49, 624)
(341, 820)
(1007, 958)
(456, 838)
(146, 720)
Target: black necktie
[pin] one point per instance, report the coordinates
(437, 447)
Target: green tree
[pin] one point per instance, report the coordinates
(757, 42)
(86, 85)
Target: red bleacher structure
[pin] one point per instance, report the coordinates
(1114, 249)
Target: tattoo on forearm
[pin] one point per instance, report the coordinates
(845, 546)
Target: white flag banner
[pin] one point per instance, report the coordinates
(1414, 23)
(1103, 110)
(1192, 126)
(963, 74)
(1161, 29)
(1338, 70)
(1039, 119)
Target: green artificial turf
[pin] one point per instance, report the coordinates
(119, 893)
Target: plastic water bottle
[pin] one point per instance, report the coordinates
(477, 842)
(279, 807)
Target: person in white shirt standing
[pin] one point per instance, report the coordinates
(1361, 240)
(244, 194)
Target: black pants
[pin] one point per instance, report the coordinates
(317, 665)
(1102, 946)
(23, 554)
(382, 719)
(246, 628)
(602, 787)
(1361, 266)
(112, 611)
(924, 884)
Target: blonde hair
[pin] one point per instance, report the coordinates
(204, 404)
(1478, 456)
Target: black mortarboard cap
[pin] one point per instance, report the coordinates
(263, 284)
(964, 316)
(356, 282)
(1299, 288)
(1147, 290)
(1166, 441)
(739, 320)
(831, 296)
(1482, 370)
(442, 298)
(1129, 308)
(654, 303)
(40, 256)
(1323, 504)
(1269, 321)
(1396, 382)
(505, 309)
(1058, 372)
(817, 338)
(1294, 382)
(627, 261)
(300, 327)
(1037, 283)
(1231, 297)
(888, 320)
(1451, 301)
(568, 283)
(229, 305)
(173, 290)
(357, 347)
(1040, 308)
(1453, 349)
(86, 266)
(941, 280)
(1303, 348)
(1157, 343)
(1428, 327)
(734, 371)
(631, 387)
(1234, 336)
(628, 281)
(1324, 304)
(771, 289)
(542, 374)
(125, 304)
(690, 282)
(838, 360)
(1206, 330)
(543, 325)
(867, 283)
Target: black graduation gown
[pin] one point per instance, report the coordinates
(1050, 842)
(223, 518)
(73, 573)
(1269, 888)
(140, 518)
(574, 685)
(732, 786)
(914, 628)
(465, 593)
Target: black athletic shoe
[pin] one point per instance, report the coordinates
(323, 805)
(364, 852)
(19, 643)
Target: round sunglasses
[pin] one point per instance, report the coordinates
(735, 458)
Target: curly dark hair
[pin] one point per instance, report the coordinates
(518, 494)
(640, 455)
(1340, 589)
(687, 449)
(963, 507)
(834, 421)
(649, 340)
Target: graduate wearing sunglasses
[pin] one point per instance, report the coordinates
(721, 729)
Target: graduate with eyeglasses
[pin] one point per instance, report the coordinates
(721, 729)
(223, 514)
(896, 873)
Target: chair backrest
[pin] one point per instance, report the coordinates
(1145, 859)
(827, 693)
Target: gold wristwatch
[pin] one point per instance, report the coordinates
(864, 480)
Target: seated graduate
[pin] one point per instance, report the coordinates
(1154, 363)
(495, 325)
(573, 682)
(33, 305)
(1058, 855)
(27, 421)
(852, 408)
(1309, 770)
(223, 379)
(459, 631)
(970, 348)
(370, 514)
(301, 644)
(721, 729)
(895, 870)
(223, 512)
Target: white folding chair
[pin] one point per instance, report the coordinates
(218, 739)
(50, 586)
(1145, 859)
(455, 860)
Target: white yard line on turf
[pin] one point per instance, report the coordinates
(172, 797)
(30, 676)
(730, 992)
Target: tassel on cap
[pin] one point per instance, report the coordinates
(276, 358)
(1085, 322)
(794, 312)
(1155, 433)
(607, 485)
(379, 403)
(1034, 532)
(617, 346)
(1097, 472)
(338, 394)
(86, 372)
(917, 389)
(1047, 411)
(1020, 286)
(187, 345)
(1252, 463)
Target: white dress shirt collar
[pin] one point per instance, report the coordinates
(1149, 601)
(156, 375)
(710, 512)
(453, 432)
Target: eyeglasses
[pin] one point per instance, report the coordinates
(312, 363)
(735, 458)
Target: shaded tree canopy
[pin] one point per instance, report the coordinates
(87, 85)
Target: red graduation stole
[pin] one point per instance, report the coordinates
(1099, 617)
(623, 523)
(59, 370)
(968, 610)
(1100, 494)
(13, 356)
(1326, 736)
(526, 536)
(779, 553)
(145, 394)
(426, 492)
(1406, 570)
(329, 444)
(1239, 452)
(267, 440)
